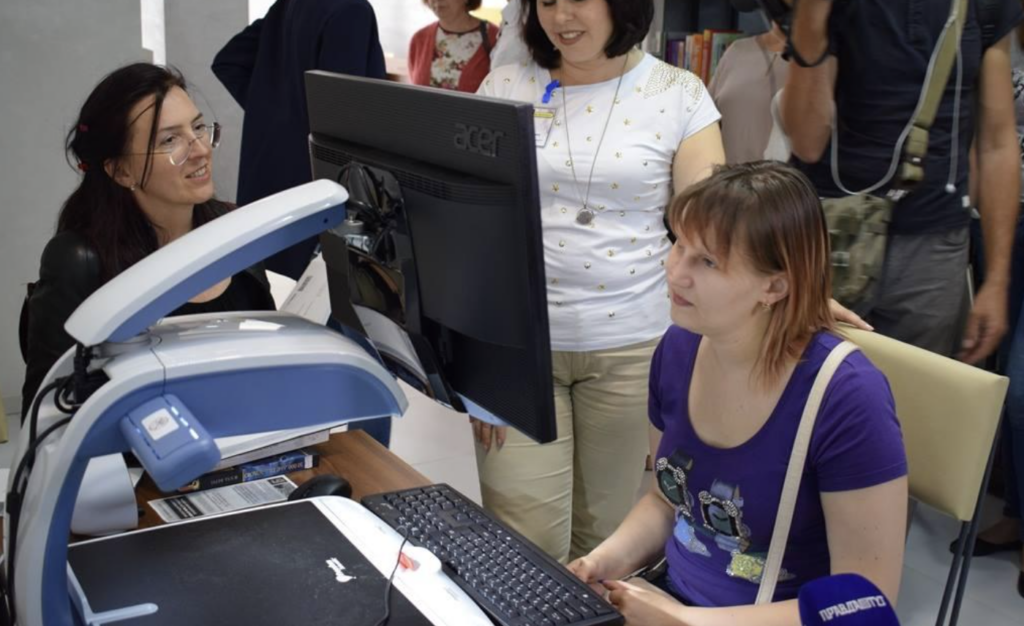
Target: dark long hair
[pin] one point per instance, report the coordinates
(631, 19)
(102, 211)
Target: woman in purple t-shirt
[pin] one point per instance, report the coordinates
(749, 282)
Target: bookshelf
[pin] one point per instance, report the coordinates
(678, 20)
(688, 16)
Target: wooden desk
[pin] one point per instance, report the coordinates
(368, 466)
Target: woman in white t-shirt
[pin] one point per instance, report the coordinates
(618, 132)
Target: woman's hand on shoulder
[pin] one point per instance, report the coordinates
(844, 315)
(643, 604)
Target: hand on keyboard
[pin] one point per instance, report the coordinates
(640, 602)
(592, 571)
(506, 575)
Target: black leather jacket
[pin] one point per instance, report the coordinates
(68, 274)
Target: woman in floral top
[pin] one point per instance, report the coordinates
(453, 52)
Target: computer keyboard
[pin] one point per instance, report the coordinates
(514, 582)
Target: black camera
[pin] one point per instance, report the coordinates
(777, 11)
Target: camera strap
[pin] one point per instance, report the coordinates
(907, 164)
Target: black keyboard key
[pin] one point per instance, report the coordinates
(509, 578)
(583, 609)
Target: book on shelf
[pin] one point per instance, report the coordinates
(245, 448)
(720, 41)
(694, 52)
(276, 465)
(700, 52)
(714, 41)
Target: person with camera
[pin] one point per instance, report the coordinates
(869, 61)
(730, 381)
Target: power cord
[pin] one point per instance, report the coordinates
(70, 392)
(19, 484)
(391, 581)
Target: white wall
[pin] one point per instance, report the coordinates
(195, 31)
(52, 53)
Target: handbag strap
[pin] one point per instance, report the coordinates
(795, 470)
(486, 39)
(907, 164)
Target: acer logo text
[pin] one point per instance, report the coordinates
(477, 140)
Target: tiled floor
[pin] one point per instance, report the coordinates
(438, 443)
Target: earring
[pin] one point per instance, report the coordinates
(766, 306)
(133, 187)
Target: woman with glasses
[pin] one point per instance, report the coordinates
(145, 155)
(748, 279)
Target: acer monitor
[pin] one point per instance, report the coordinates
(469, 235)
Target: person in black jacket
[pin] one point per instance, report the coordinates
(263, 66)
(145, 154)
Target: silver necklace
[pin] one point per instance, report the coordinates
(585, 215)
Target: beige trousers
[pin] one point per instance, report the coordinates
(569, 495)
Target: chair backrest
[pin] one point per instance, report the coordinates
(949, 412)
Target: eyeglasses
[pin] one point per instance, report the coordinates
(179, 148)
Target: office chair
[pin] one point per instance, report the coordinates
(949, 413)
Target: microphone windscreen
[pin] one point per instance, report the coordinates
(844, 600)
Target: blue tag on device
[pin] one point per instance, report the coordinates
(170, 442)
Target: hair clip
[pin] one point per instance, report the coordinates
(82, 128)
(83, 166)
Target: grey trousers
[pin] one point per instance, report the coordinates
(922, 298)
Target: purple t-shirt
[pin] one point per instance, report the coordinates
(730, 496)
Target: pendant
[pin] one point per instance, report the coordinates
(584, 216)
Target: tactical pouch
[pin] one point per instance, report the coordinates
(857, 228)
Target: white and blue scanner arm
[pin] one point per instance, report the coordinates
(171, 388)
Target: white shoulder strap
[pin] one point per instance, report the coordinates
(797, 459)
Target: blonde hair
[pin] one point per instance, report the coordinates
(772, 214)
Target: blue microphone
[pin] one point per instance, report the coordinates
(844, 600)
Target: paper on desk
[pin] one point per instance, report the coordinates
(223, 499)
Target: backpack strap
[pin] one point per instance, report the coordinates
(988, 19)
(907, 167)
(911, 169)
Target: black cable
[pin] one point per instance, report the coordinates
(33, 423)
(63, 399)
(69, 393)
(20, 483)
(391, 582)
(6, 619)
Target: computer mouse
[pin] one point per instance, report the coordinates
(322, 485)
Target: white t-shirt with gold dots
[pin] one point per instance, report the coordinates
(606, 280)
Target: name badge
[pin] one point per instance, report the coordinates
(543, 119)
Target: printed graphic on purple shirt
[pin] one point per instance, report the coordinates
(726, 500)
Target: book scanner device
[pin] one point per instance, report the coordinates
(165, 390)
